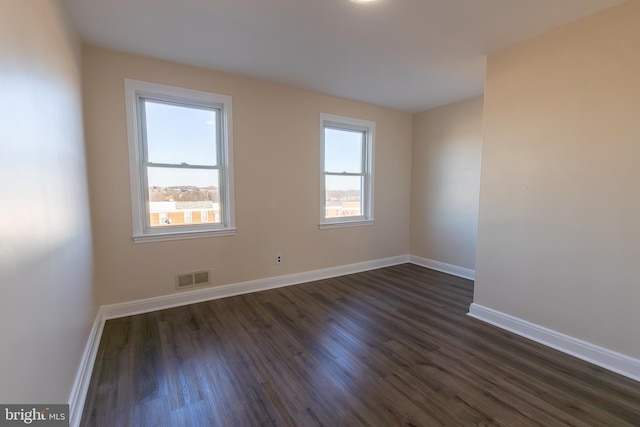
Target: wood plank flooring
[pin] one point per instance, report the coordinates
(389, 347)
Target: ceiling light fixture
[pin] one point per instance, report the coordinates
(363, 1)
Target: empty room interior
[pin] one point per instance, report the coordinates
(342, 212)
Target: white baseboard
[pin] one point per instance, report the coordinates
(83, 377)
(190, 297)
(600, 356)
(465, 273)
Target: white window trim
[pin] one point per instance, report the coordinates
(141, 232)
(349, 123)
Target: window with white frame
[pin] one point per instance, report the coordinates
(346, 169)
(180, 160)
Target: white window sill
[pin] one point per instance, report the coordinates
(181, 235)
(343, 224)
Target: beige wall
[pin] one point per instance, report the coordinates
(445, 172)
(46, 293)
(276, 183)
(559, 224)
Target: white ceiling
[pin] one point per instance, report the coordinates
(406, 54)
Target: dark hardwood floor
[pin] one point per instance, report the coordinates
(388, 347)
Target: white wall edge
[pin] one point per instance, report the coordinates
(83, 377)
(146, 305)
(465, 273)
(600, 356)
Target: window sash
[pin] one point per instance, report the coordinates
(363, 147)
(367, 129)
(146, 164)
(136, 93)
(142, 117)
(346, 173)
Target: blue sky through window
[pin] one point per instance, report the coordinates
(343, 150)
(181, 135)
(343, 153)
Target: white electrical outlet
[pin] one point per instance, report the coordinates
(279, 258)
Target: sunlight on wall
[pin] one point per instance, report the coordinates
(46, 298)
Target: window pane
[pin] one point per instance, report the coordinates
(343, 196)
(177, 134)
(183, 196)
(343, 150)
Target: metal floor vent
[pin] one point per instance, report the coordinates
(197, 278)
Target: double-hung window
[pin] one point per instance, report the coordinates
(346, 171)
(180, 161)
